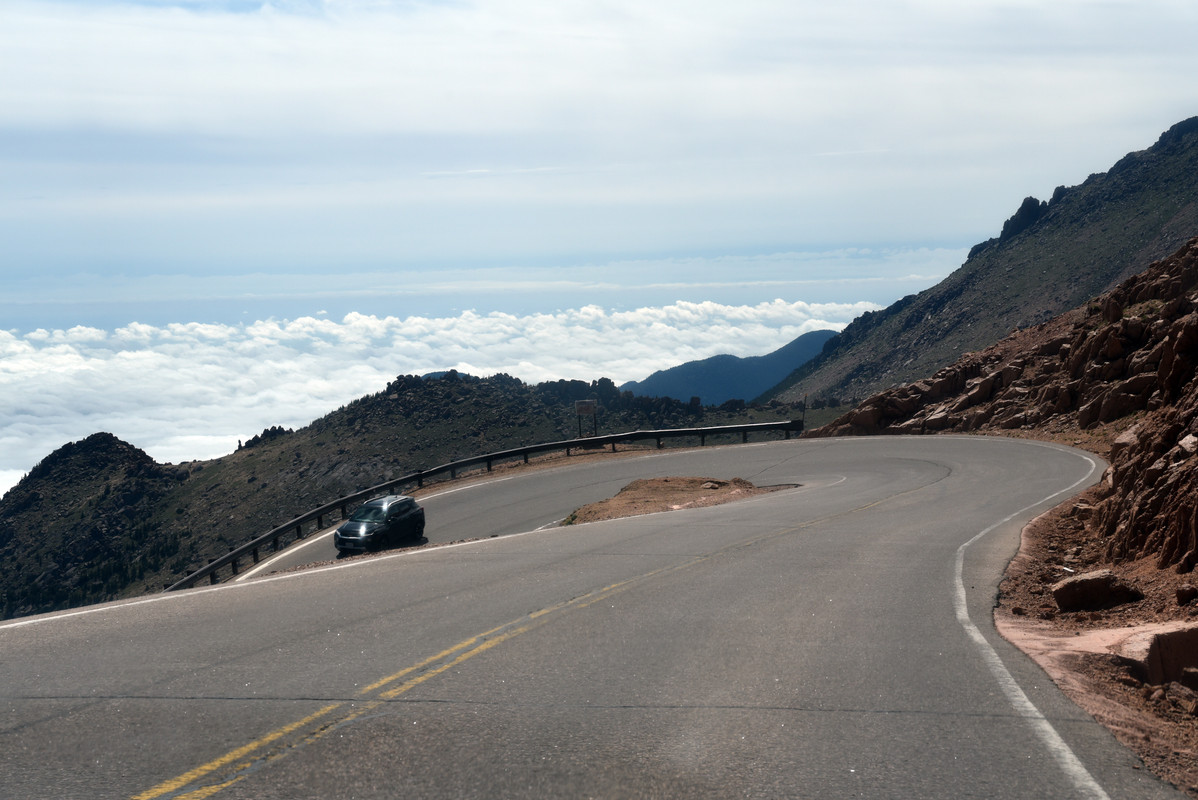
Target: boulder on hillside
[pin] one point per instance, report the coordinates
(1092, 591)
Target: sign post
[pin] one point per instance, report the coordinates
(587, 408)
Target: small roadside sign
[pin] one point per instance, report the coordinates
(587, 408)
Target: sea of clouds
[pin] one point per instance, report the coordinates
(189, 391)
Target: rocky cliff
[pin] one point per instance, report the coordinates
(1117, 374)
(1050, 257)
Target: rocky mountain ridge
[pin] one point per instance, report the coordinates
(99, 519)
(1123, 365)
(1050, 257)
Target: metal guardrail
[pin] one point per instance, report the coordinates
(289, 532)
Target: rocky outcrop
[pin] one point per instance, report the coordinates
(82, 524)
(1092, 591)
(1049, 258)
(1127, 359)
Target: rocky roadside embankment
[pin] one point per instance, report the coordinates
(1098, 579)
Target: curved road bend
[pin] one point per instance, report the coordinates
(829, 641)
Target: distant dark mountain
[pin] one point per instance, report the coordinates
(99, 519)
(1050, 257)
(721, 378)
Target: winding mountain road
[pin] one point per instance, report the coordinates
(827, 641)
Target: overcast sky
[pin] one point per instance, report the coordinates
(218, 216)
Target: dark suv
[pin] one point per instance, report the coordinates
(379, 522)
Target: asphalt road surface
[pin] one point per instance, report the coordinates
(828, 641)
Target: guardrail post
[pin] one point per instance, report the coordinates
(744, 437)
(319, 521)
(255, 553)
(212, 574)
(702, 439)
(275, 544)
(489, 465)
(299, 532)
(526, 457)
(453, 472)
(233, 564)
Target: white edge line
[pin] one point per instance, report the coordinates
(162, 597)
(292, 550)
(1082, 780)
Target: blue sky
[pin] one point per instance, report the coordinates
(178, 177)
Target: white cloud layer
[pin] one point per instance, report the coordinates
(191, 391)
(199, 164)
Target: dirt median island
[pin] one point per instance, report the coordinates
(646, 496)
(652, 495)
(1080, 650)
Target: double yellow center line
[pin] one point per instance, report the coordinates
(235, 765)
